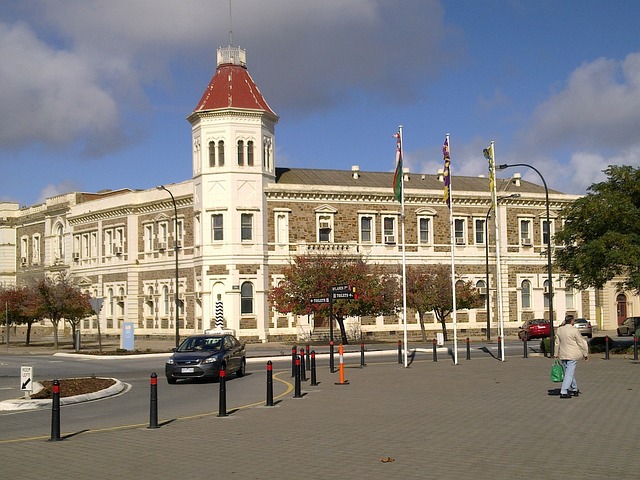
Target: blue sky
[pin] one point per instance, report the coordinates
(95, 94)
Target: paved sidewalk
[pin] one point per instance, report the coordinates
(479, 419)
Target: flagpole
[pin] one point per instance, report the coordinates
(496, 216)
(453, 266)
(404, 263)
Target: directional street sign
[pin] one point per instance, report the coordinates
(320, 300)
(340, 288)
(343, 295)
(26, 378)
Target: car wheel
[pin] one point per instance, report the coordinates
(243, 369)
(171, 381)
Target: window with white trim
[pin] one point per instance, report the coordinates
(525, 294)
(569, 297)
(367, 233)
(479, 231)
(217, 227)
(246, 298)
(460, 231)
(546, 228)
(325, 228)
(246, 227)
(35, 249)
(148, 237)
(389, 234)
(525, 231)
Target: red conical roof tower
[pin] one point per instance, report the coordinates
(232, 86)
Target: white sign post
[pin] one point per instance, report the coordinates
(26, 380)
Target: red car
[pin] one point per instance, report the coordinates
(534, 329)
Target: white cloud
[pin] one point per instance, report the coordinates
(51, 96)
(599, 106)
(52, 190)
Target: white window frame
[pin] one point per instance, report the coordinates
(389, 229)
(460, 233)
(324, 221)
(371, 217)
(483, 238)
(281, 222)
(148, 237)
(525, 233)
(247, 225)
(525, 294)
(35, 249)
(214, 229)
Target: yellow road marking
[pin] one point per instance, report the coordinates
(288, 390)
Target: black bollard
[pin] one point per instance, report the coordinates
(308, 362)
(331, 359)
(525, 351)
(222, 403)
(294, 354)
(153, 404)
(500, 348)
(435, 351)
(606, 348)
(635, 348)
(362, 364)
(269, 384)
(298, 390)
(55, 411)
(399, 351)
(468, 350)
(313, 369)
(303, 368)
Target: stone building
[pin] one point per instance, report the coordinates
(240, 219)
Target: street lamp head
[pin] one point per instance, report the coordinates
(502, 167)
(160, 187)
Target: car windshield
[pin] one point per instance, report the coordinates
(210, 344)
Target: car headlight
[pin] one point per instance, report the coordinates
(210, 360)
(171, 361)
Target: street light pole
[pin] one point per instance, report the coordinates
(176, 247)
(486, 257)
(549, 269)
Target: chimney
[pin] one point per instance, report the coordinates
(440, 175)
(516, 179)
(355, 172)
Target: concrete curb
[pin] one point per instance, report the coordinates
(23, 404)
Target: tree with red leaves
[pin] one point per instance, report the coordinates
(313, 275)
(60, 299)
(429, 290)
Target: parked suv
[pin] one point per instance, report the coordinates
(538, 328)
(629, 326)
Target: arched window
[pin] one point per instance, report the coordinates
(59, 245)
(525, 293)
(221, 153)
(212, 154)
(240, 153)
(121, 302)
(546, 294)
(246, 298)
(149, 301)
(165, 300)
(110, 301)
(250, 153)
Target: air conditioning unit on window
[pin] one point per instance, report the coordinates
(482, 290)
(459, 241)
(324, 225)
(390, 239)
(118, 250)
(162, 246)
(23, 261)
(526, 242)
(76, 255)
(119, 298)
(148, 298)
(198, 295)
